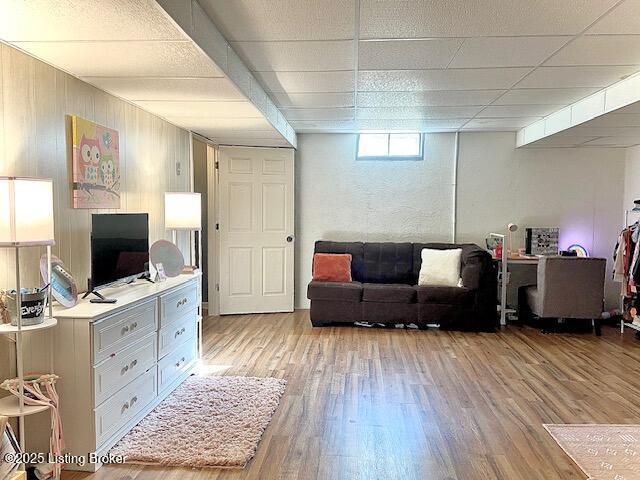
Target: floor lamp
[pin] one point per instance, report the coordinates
(26, 220)
(183, 211)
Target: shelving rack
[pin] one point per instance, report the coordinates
(26, 220)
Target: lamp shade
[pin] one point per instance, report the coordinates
(26, 212)
(182, 211)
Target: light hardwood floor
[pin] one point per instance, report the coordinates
(397, 404)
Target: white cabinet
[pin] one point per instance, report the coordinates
(116, 362)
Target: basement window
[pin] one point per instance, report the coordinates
(390, 146)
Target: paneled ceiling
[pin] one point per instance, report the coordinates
(135, 50)
(351, 65)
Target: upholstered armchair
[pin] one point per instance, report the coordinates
(569, 288)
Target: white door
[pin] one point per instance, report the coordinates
(256, 230)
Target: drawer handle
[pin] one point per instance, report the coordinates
(133, 364)
(180, 362)
(133, 400)
(179, 332)
(124, 370)
(125, 407)
(134, 325)
(181, 302)
(125, 329)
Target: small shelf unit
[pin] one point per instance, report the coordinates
(8, 329)
(10, 407)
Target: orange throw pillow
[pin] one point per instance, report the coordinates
(332, 267)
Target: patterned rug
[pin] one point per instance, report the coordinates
(603, 452)
(205, 422)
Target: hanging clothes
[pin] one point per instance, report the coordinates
(626, 260)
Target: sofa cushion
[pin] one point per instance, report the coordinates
(472, 260)
(440, 267)
(345, 292)
(388, 293)
(332, 267)
(444, 295)
(356, 249)
(388, 263)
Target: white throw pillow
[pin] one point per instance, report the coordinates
(440, 267)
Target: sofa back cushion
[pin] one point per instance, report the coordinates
(332, 267)
(355, 249)
(388, 263)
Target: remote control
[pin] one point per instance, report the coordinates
(103, 300)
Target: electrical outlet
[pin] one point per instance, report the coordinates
(178, 168)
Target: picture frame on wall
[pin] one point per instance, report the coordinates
(95, 159)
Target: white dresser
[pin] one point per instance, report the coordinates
(118, 361)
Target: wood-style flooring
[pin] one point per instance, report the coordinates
(404, 404)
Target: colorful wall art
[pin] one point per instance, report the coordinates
(96, 165)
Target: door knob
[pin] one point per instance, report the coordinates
(290, 238)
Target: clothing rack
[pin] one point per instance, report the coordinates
(624, 324)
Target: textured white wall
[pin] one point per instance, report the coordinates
(631, 180)
(339, 198)
(576, 189)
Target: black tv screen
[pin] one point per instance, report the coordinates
(119, 247)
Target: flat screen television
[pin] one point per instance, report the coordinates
(119, 248)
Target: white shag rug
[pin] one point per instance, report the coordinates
(205, 422)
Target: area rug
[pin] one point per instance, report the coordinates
(205, 422)
(603, 452)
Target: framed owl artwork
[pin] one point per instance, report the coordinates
(96, 165)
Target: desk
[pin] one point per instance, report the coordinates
(522, 271)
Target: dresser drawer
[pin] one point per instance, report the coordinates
(176, 333)
(122, 329)
(124, 405)
(176, 363)
(175, 305)
(123, 367)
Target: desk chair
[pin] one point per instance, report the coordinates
(568, 287)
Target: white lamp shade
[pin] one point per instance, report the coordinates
(182, 211)
(26, 212)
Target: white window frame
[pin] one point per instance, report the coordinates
(394, 158)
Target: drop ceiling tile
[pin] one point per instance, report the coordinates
(416, 112)
(201, 109)
(629, 109)
(262, 20)
(599, 50)
(561, 141)
(318, 113)
(123, 59)
(141, 88)
(307, 82)
(428, 98)
(615, 120)
(84, 20)
(564, 77)
(323, 125)
(506, 111)
(198, 124)
(544, 96)
(419, 125)
(587, 129)
(416, 18)
(507, 124)
(618, 141)
(314, 100)
(407, 54)
(506, 51)
(623, 19)
(296, 56)
(451, 79)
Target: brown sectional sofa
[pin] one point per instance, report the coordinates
(384, 288)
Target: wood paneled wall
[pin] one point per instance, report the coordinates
(35, 102)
